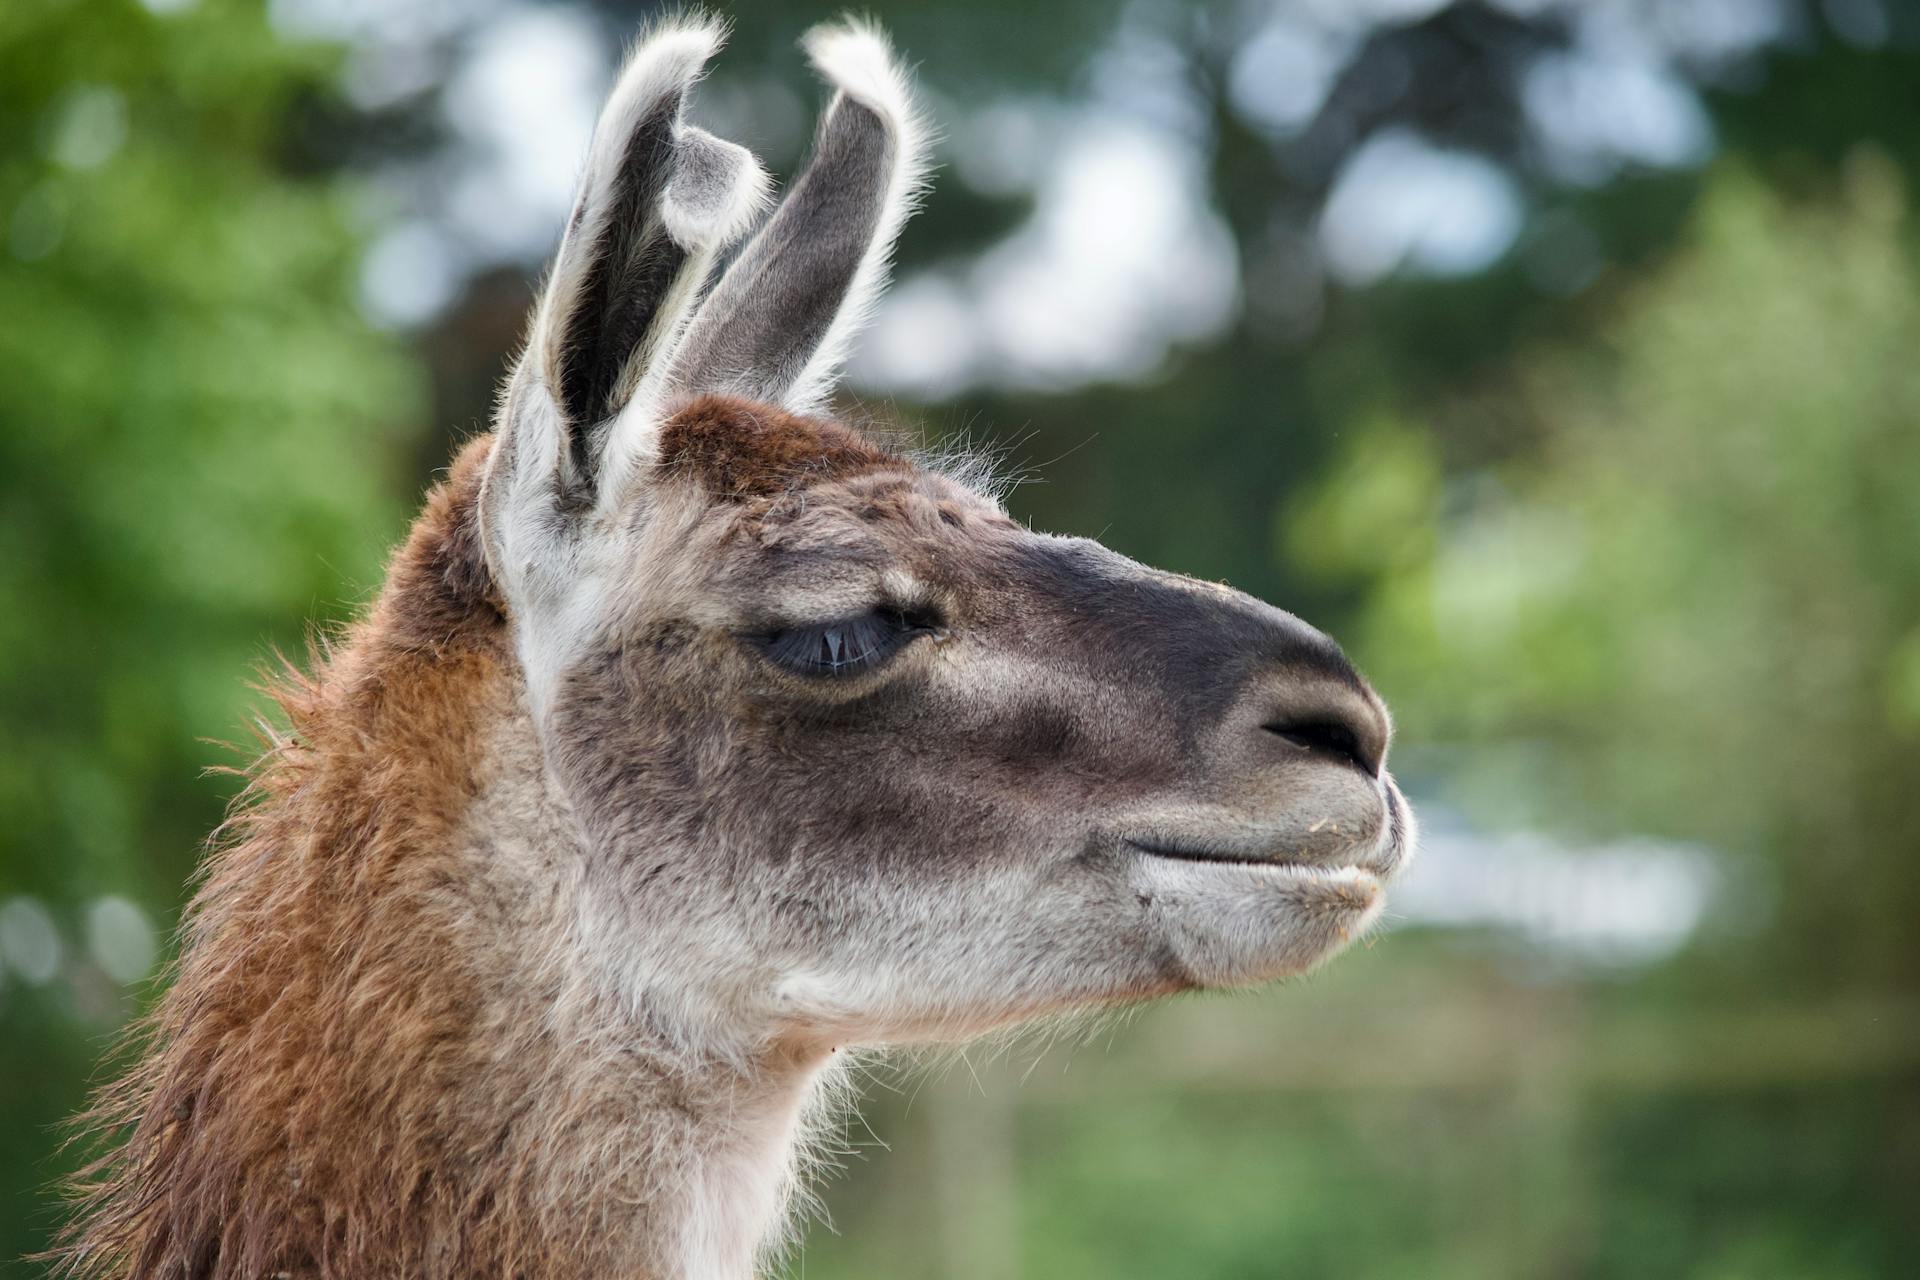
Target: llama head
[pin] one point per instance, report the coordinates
(852, 755)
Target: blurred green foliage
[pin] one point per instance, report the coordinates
(1703, 589)
(198, 440)
(1642, 557)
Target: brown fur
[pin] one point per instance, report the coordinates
(289, 1111)
(738, 448)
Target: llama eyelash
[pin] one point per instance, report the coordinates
(846, 646)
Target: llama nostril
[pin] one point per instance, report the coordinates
(1331, 738)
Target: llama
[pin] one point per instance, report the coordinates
(694, 739)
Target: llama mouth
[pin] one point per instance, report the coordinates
(1380, 846)
(1186, 853)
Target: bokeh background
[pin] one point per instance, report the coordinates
(1561, 358)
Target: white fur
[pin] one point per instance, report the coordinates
(738, 1206)
(715, 216)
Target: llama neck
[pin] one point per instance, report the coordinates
(394, 1045)
(687, 1152)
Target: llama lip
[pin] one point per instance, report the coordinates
(1382, 852)
(1190, 853)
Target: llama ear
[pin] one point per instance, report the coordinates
(778, 324)
(658, 200)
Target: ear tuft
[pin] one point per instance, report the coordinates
(717, 192)
(856, 57)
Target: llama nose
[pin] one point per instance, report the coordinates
(1336, 739)
(1332, 719)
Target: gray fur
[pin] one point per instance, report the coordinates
(776, 304)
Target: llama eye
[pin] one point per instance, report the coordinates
(847, 646)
